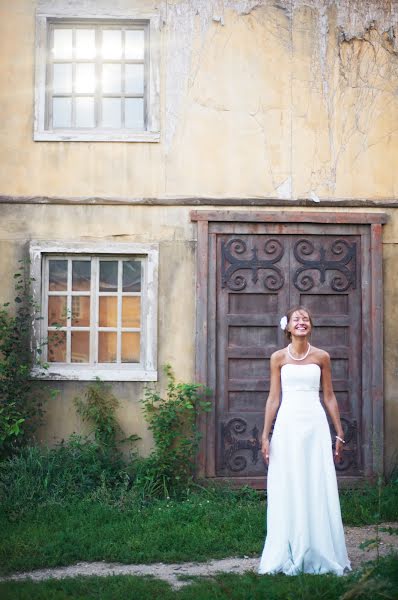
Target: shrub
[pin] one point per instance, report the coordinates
(21, 398)
(170, 467)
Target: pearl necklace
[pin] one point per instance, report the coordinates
(303, 357)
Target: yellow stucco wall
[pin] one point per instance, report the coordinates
(294, 101)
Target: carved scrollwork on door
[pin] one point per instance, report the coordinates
(350, 449)
(231, 444)
(344, 264)
(236, 257)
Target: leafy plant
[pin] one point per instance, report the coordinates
(21, 398)
(98, 409)
(173, 422)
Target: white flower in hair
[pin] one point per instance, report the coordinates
(283, 322)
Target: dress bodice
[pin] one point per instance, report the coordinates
(300, 378)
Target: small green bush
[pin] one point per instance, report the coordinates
(169, 470)
(21, 397)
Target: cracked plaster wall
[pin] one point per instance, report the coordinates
(287, 98)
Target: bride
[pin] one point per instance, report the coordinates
(304, 528)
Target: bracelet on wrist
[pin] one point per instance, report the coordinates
(340, 439)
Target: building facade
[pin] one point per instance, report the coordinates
(180, 173)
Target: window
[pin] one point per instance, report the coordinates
(96, 80)
(98, 310)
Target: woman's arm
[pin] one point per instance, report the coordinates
(330, 401)
(272, 404)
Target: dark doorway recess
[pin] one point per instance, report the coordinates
(251, 267)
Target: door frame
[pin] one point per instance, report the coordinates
(369, 226)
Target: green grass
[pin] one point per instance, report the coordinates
(195, 529)
(208, 524)
(377, 581)
(74, 503)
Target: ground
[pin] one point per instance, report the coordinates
(355, 537)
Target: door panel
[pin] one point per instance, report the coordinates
(257, 277)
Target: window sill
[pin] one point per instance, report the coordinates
(101, 136)
(76, 373)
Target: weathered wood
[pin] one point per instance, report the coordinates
(241, 333)
(201, 201)
(377, 344)
(323, 217)
(201, 332)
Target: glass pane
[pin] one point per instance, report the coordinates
(57, 311)
(80, 346)
(85, 112)
(111, 43)
(134, 113)
(111, 78)
(62, 43)
(107, 347)
(56, 349)
(85, 78)
(134, 44)
(58, 275)
(134, 79)
(108, 276)
(85, 43)
(81, 275)
(108, 311)
(62, 112)
(81, 311)
(131, 276)
(130, 347)
(131, 311)
(62, 79)
(111, 113)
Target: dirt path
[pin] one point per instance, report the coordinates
(171, 572)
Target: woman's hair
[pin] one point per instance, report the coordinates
(289, 314)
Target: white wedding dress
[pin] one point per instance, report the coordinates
(304, 528)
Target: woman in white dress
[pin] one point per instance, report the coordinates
(304, 527)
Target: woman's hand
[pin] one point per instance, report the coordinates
(265, 450)
(338, 451)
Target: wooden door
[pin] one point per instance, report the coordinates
(259, 276)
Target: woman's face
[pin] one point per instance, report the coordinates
(299, 324)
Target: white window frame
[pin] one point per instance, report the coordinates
(144, 371)
(152, 95)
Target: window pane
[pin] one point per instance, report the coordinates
(134, 113)
(108, 276)
(134, 79)
(62, 43)
(107, 347)
(130, 347)
(111, 113)
(85, 43)
(56, 349)
(131, 276)
(62, 112)
(134, 44)
(85, 112)
(85, 78)
(108, 311)
(58, 275)
(111, 78)
(81, 311)
(131, 311)
(62, 79)
(81, 275)
(57, 311)
(111, 43)
(80, 346)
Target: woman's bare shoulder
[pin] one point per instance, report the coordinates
(321, 355)
(278, 357)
